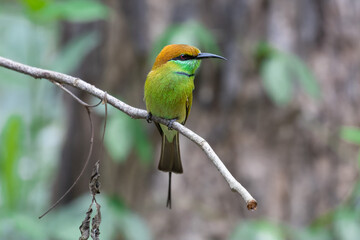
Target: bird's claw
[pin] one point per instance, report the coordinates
(170, 124)
(149, 117)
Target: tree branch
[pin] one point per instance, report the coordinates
(133, 113)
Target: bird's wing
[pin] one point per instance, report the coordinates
(188, 107)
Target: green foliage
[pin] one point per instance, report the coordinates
(69, 10)
(311, 233)
(275, 76)
(190, 32)
(123, 135)
(346, 224)
(19, 159)
(257, 230)
(63, 223)
(279, 71)
(342, 224)
(119, 139)
(304, 76)
(72, 54)
(28, 39)
(350, 134)
(31, 129)
(11, 149)
(131, 225)
(35, 5)
(20, 226)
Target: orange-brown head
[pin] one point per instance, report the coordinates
(181, 52)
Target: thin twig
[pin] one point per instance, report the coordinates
(82, 170)
(134, 113)
(75, 97)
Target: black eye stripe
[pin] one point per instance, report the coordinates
(183, 57)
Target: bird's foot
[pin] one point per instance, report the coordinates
(149, 117)
(170, 124)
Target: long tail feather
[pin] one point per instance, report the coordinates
(170, 160)
(168, 203)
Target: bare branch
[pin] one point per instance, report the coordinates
(134, 113)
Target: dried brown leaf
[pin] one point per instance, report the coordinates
(85, 225)
(94, 183)
(95, 224)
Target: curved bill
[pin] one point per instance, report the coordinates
(209, 55)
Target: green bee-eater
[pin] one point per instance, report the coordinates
(168, 94)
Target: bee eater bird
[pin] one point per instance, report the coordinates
(168, 94)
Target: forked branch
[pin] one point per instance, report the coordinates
(133, 113)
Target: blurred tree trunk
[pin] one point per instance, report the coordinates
(289, 158)
(77, 139)
(117, 65)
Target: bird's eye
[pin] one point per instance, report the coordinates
(183, 57)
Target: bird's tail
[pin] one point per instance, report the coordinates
(170, 160)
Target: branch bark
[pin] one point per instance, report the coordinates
(135, 113)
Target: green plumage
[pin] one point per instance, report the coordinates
(168, 94)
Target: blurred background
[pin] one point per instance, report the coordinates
(282, 113)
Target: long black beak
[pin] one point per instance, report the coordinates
(209, 55)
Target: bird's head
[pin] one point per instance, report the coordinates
(182, 56)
